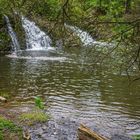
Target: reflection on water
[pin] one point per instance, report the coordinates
(97, 98)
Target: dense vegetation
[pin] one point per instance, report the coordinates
(116, 20)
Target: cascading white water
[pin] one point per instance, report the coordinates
(15, 46)
(85, 37)
(35, 38)
(38, 44)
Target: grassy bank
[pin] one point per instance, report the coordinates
(9, 130)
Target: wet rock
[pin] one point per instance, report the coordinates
(60, 129)
(2, 99)
(120, 137)
(39, 131)
(44, 127)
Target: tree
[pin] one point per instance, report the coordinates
(128, 4)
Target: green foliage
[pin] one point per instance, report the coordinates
(8, 126)
(54, 8)
(74, 9)
(39, 103)
(115, 8)
(136, 137)
(33, 117)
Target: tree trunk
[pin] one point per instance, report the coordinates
(128, 6)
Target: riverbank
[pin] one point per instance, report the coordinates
(62, 128)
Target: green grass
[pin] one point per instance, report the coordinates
(8, 127)
(39, 103)
(136, 137)
(33, 117)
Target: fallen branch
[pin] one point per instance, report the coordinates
(86, 133)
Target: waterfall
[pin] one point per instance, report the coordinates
(85, 37)
(35, 38)
(15, 43)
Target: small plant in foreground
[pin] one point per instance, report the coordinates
(33, 117)
(39, 103)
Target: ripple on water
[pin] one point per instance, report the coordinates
(100, 100)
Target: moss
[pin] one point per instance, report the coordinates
(8, 130)
(33, 117)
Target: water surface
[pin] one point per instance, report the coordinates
(75, 88)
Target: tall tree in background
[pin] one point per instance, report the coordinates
(128, 4)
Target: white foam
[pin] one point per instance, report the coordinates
(35, 38)
(37, 58)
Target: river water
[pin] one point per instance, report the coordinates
(73, 87)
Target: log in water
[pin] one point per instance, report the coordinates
(86, 133)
